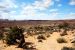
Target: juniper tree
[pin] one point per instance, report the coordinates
(15, 33)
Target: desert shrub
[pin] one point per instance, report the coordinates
(15, 33)
(40, 40)
(68, 48)
(41, 37)
(38, 28)
(47, 28)
(64, 33)
(61, 40)
(48, 36)
(72, 32)
(1, 35)
(29, 33)
(51, 32)
(73, 41)
(1, 32)
(64, 25)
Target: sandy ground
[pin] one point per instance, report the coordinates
(48, 44)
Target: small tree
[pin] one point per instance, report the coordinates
(1, 32)
(1, 35)
(15, 33)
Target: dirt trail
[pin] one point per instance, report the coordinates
(50, 43)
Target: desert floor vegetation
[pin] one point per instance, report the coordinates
(68, 48)
(61, 40)
(38, 37)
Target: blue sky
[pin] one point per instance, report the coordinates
(37, 9)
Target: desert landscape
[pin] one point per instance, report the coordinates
(37, 24)
(37, 35)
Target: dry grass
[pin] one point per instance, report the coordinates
(61, 40)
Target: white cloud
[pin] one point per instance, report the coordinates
(31, 11)
(38, 16)
(47, 3)
(8, 3)
(72, 2)
(50, 16)
(69, 16)
(6, 7)
(4, 15)
(43, 4)
(28, 11)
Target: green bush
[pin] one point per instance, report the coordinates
(41, 37)
(40, 40)
(68, 48)
(1, 36)
(15, 33)
(61, 40)
(1, 32)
